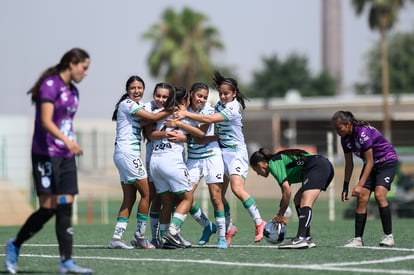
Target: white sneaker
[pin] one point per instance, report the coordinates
(387, 240)
(311, 243)
(141, 242)
(295, 243)
(355, 242)
(118, 244)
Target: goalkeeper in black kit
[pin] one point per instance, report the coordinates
(290, 166)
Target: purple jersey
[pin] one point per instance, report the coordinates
(65, 102)
(366, 137)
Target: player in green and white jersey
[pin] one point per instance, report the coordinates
(170, 174)
(229, 127)
(204, 160)
(129, 114)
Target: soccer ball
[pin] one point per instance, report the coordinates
(274, 232)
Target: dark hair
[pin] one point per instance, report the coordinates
(125, 95)
(347, 116)
(180, 95)
(75, 56)
(265, 155)
(219, 80)
(198, 86)
(170, 102)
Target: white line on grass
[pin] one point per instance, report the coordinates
(321, 267)
(238, 246)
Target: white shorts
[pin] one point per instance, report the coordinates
(211, 169)
(130, 167)
(169, 173)
(235, 162)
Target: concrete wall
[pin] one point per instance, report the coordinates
(15, 142)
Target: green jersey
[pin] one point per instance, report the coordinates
(284, 167)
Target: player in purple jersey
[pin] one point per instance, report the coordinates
(53, 158)
(380, 164)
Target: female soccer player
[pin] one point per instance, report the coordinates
(293, 166)
(160, 96)
(128, 114)
(205, 160)
(53, 157)
(378, 171)
(170, 174)
(229, 127)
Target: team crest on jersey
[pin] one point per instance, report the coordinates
(64, 97)
(46, 182)
(141, 171)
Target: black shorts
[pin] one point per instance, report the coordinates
(317, 173)
(382, 174)
(54, 175)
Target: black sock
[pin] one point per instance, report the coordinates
(360, 221)
(385, 214)
(297, 207)
(304, 220)
(33, 225)
(64, 230)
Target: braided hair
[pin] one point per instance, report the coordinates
(346, 116)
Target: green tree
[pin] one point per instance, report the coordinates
(277, 77)
(381, 16)
(182, 44)
(401, 66)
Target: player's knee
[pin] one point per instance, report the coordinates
(64, 199)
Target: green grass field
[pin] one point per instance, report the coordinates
(39, 254)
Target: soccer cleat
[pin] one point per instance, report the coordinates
(71, 267)
(12, 254)
(141, 242)
(209, 230)
(230, 234)
(222, 243)
(387, 241)
(155, 242)
(354, 242)
(176, 239)
(118, 244)
(186, 243)
(259, 231)
(165, 244)
(311, 244)
(295, 243)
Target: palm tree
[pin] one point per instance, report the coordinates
(182, 46)
(382, 16)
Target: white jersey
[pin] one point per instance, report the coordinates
(167, 166)
(163, 145)
(202, 151)
(127, 151)
(231, 139)
(230, 131)
(128, 129)
(152, 108)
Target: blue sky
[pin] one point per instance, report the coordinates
(35, 34)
